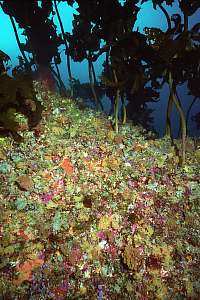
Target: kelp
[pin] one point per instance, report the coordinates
(17, 95)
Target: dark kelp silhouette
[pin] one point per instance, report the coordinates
(17, 95)
(177, 62)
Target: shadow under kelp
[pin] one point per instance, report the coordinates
(137, 109)
(84, 92)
